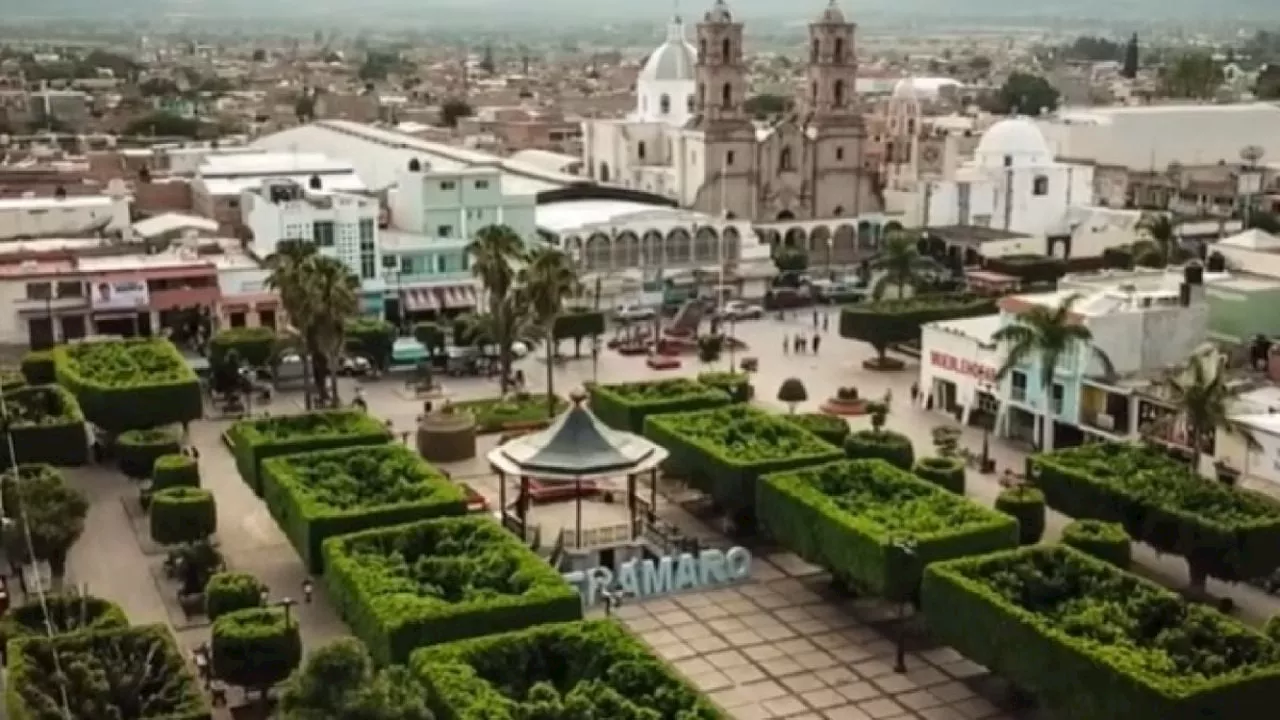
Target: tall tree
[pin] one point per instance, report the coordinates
(1025, 94)
(288, 279)
(1163, 233)
(1193, 75)
(1202, 399)
(1044, 336)
(1131, 58)
(901, 262)
(549, 278)
(42, 501)
(333, 299)
(496, 252)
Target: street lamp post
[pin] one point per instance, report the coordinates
(906, 547)
(287, 604)
(595, 358)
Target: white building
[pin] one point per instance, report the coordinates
(74, 216)
(958, 366)
(222, 179)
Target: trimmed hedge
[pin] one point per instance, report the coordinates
(624, 406)
(66, 613)
(136, 673)
(128, 384)
(37, 367)
(894, 448)
(1106, 541)
(832, 428)
(255, 648)
(182, 514)
(255, 346)
(315, 496)
(227, 592)
(436, 581)
(945, 472)
(886, 322)
(255, 440)
(495, 415)
(1228, 533)
(175, 471)
(851, 516)
(47, 425)
(1272, 628)
(138, 450)
(594, 667)
(723, 451)
(1092, 641)
(1026, 505)
(734, 384)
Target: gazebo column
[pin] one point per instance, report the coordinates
(631, 504)
(653, 491)
(502, 498)
(522, 506)
(577, 510)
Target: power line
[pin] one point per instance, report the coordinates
(31, 553)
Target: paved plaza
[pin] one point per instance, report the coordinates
(779, 646)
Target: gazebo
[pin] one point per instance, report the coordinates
(577, 448)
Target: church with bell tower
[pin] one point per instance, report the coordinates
(715, 157)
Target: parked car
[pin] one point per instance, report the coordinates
(354, 366)
(632, 313)
(736, 310)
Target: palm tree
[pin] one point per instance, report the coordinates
(334, 298)
(287, 278)
(1202, 398)
(901, 262)
(547, 279)
(1163, 233)
(1046, 335)
(495, 253)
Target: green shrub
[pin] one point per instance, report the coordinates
(227, 592)
(625, 406)
(11, 379)
(38, 498)
(373, 338)
(734, 384)
(136, 673)
(255, 440)
(66, 614)
(37, 367)
(182, 515)
(175, 471)
(854, 517)
(894, 448)
(47, 427)
(1026, 505)
(255, 346)
(583, 669)
(256, 647)
(1106, 541)
(831, 428)
(723, 451)
(1228, 533)
(1092, 641)
(886, 322)
(315, 496)
(436, 581)
(129, 384)
(1272, 628)
(576, 325)
(138, 450)
(945, 472)
(495, 415)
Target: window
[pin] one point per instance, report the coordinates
(388, 262)
(838, 55)
(1008, 161)
(837, 93)
(702, 50)
(368, 267)
(640, 149)
(39, 291)
(236, 319)
(726, 96)
(366, 231)
(838, 212)
(444, 231)
(1018, 385)
(726, 51)
(689, 104)
(982, 220)
(482, 184)
(1057, 393)
(267, 318)
(1040, 186)
(702, 94)
(728, 159)
(813, 52)
(664, 104)
(784, 160)
(839, 152)
(441, 265)
(74, 327)
(406, 266)
(70, 289)
(447, 185)
(322, 233)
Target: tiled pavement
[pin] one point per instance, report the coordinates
(784, 646)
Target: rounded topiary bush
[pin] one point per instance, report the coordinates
(895, 448)
(831, 428)
(37, 368)
(175, 471)
(945, 472)
(66, 614)
(1106, 541)
(255, 648)
(1026, 505)
(138, 450)
(182, 515)
(229, 592)
(1272, 628)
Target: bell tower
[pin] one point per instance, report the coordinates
(721, 72)
(833, 69)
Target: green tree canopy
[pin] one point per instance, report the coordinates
(1025, 94)
(1193, 75)
(453, 110)
(163, 124)
(340, 681)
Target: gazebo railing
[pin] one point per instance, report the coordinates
(606, 536)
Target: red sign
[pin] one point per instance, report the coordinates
(963, 367)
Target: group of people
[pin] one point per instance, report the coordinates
(801, 344)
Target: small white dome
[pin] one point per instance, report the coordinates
(1016, 138)
(832, 15)
(719, 13)
(673, 60)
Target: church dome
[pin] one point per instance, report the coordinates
(719, 13)
(673, 60)
(1015, 138)
(832, 14)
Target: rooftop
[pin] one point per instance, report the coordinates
(45, 203)
(571, 215)
(272, 163)
(979, 329)
(971, 234)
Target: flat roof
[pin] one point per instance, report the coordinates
(221, 186)
(570, 215)
(979, 328)
(112, 263)
(972, 234)
(269, 163)
(47, 245)
(44, 203)
(170, 222)
(37, 268)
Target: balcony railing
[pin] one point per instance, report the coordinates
(1018, 394)
(1115, 425)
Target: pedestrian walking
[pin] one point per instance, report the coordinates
(826, 321)
(801, 344)
(915, 392)
(786, 344)
(815, 319)
(816, 340)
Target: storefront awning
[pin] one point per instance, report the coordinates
(452, 297)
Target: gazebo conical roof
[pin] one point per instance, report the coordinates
(577, 446)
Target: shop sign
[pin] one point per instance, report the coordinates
(962, 367)
(120, 295)
(648, 578)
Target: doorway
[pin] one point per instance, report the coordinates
(40, 332)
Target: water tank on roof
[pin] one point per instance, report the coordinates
(1216, 263)
(1193, 274)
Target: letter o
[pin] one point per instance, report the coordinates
(738, 561)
